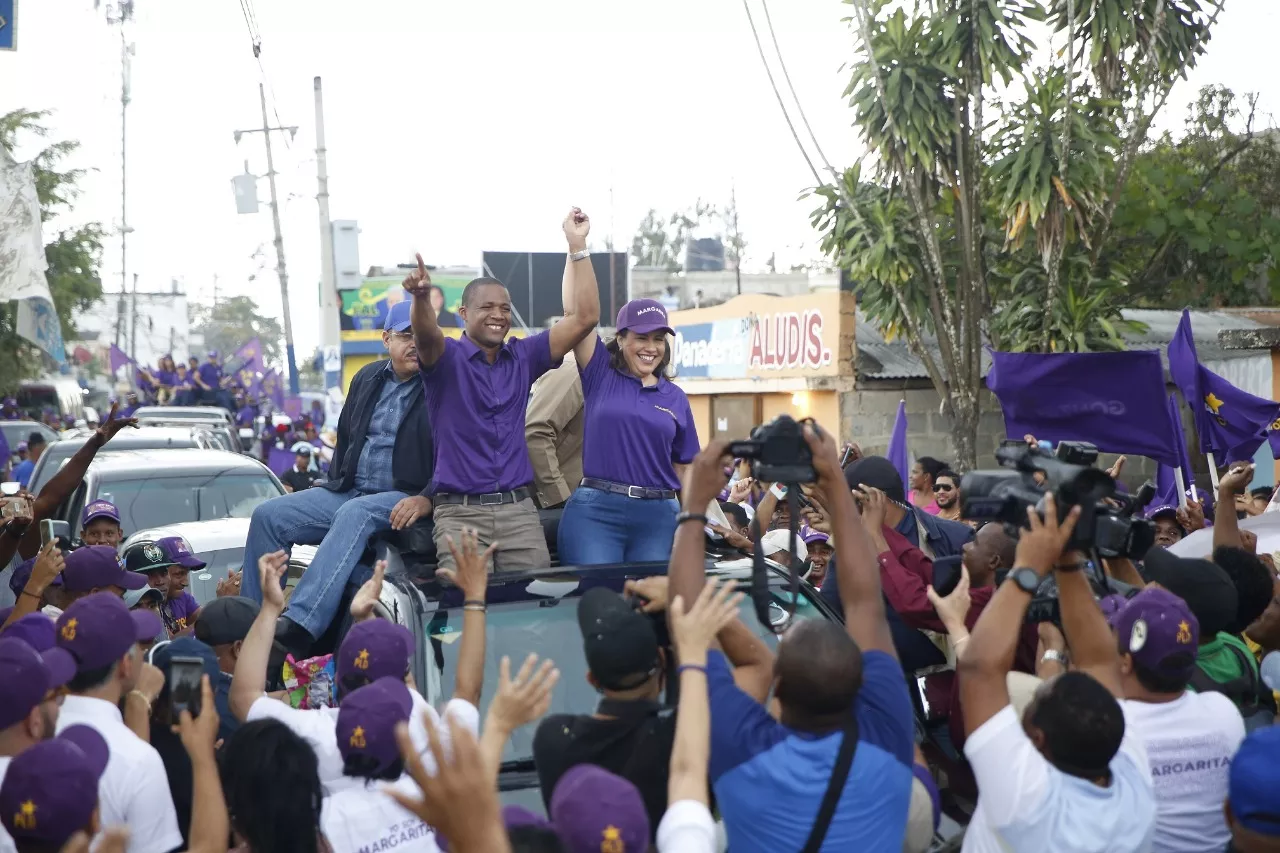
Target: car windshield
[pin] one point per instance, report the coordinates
(15, 432)
(168, 499)
(549, 627)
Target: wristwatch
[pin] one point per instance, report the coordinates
(578, 256)
(1026, 578)
(1054, 656)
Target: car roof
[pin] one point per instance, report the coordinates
(139, 435)
(186, 413)
(215, 535)
(175, 459)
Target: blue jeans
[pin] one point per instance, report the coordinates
(600, 527)
(339, 522)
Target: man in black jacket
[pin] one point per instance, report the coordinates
(378, 480)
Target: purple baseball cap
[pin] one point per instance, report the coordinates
(643, 316)
(22, 446)
(96, 566)
(593, 809)
(99, 629)
(34, 629)
(28, 677)
(375, 649)
(178, 550)
(50, 791)
(367, 721)
(1156, 625)
(99, 509)
(213, 353)
(398, 318)
(809, 535)
(1112, 604)
(22, 574)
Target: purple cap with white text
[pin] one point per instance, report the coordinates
(643, 316)
(100, 509)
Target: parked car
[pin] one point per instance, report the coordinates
(218, 421)
(19, 431)
(153, 488)
(144, 438)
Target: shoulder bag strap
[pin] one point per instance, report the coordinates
(831, 799)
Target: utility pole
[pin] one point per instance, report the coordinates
(133, 321)
(329, 319)
(119, 15)
(734, 238)
(281, 272)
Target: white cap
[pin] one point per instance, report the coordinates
(776, 541)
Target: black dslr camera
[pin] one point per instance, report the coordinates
(778, 452)
(1107, 526)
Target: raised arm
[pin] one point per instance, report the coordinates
(575, 331)
(858, 573)
(988, 657)
(703, 481)
(472, 577)
(249, 682)
(1226, 527)
(427, 336)
(1089, 638)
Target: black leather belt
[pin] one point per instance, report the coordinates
(638, 492)
(491, 499)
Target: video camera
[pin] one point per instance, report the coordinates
(1107, 526)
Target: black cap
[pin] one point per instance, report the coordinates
(146, 557)
(226, 620)
(34, 439)
(1204, 586)
(619, 642)
(878, 472)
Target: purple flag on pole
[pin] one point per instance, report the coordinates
(1273, 438)
(1113, 399)
(248, 357)
(273, 388)
(117, 358)
(1231, 423)
(897, 452)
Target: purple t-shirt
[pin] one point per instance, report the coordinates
(211, 374)
(166, 377)
(177, 612)
(633, 434)
(477, 413)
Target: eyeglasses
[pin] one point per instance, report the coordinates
(943, 487)
(402, 337)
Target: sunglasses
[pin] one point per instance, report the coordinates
(943, 487)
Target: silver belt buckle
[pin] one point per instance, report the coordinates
(497, 499)
(631, 492)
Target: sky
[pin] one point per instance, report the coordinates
(457, 127)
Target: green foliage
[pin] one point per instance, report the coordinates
(661, 241)
(74, 254)
(1198, 221)
(232, 322)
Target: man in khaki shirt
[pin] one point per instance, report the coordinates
(553, 431)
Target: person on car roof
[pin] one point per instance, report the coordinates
(378, 481)
(477, 388)
(638, 436)
(100, 524)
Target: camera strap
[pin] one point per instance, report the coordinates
(835, 787)
(760, 572)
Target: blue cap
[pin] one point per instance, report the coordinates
(1252, 781)
(398, 317)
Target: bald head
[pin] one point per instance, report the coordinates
(818, 674)
(991, 550)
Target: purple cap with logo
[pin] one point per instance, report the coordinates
(22, 574)
(96, 566)
(398, 317)
(367, 721)
(22, 447)
(643, 316)
(178, 550)
(51, 788)
(34, 629)
(100, 628)
(1156, 625)
(213, 353)
(99, 509)
(809, 535)
(375, 649)
(593, 809)
(28, 677)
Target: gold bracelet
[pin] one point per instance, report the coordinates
(142, 695)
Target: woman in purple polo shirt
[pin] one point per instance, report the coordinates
(637, 430)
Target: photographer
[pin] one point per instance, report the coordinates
(1068, 775)
(839, 690)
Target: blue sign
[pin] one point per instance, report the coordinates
(715, 350)
(8, 32)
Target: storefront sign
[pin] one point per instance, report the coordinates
(364, 310)
(768, 337)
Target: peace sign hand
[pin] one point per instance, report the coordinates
(418, 282)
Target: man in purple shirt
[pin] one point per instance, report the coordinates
(476, 390)
(209, 383)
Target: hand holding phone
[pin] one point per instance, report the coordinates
(184, 685)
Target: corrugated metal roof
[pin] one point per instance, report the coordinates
(889, 360)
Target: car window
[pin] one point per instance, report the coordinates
(153, 501)
(549, 628)
(203, 584)
(18, 432)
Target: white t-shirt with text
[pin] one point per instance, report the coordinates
(1025, 804)
(1189, 743)
(363, 819)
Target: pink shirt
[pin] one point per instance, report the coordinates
(932, 508)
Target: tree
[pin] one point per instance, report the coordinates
(74, 255)
(986, 215)
(1197, 223)
(232, 322)
(662, 242)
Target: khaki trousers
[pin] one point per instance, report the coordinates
(515, 527)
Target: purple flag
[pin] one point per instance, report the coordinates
(897, 452)
(1231, 423)
(273, 388)
(248, 357)
(117, 358)
(1113, 399)
(1273, 438)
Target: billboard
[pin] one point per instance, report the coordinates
(8, 28)
(364, 310)
(533, 280)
